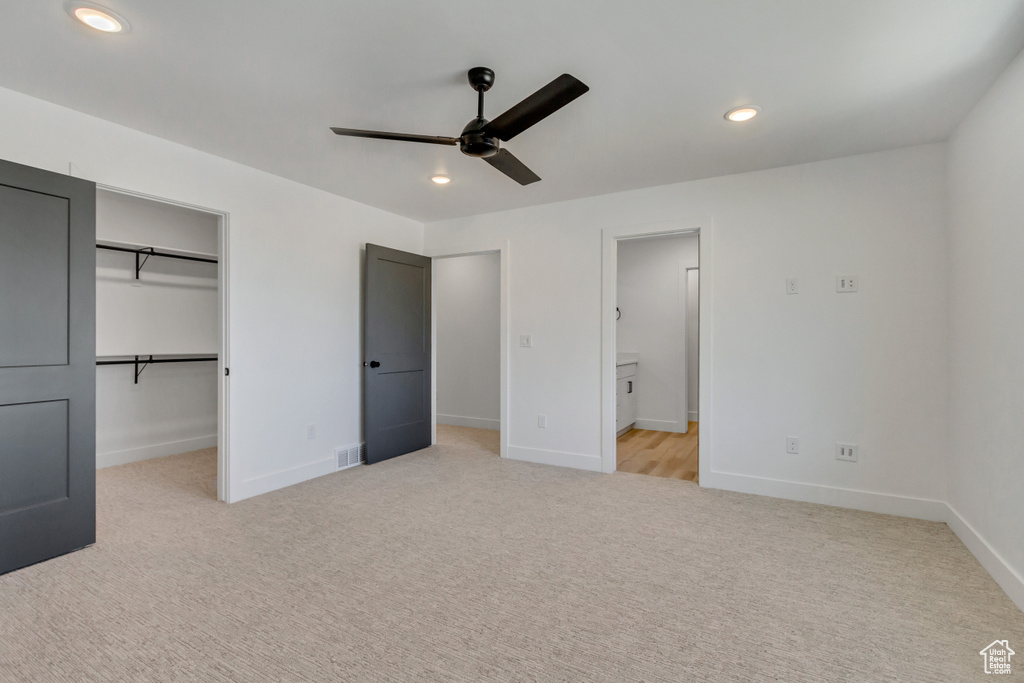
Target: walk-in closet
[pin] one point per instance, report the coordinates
(157, 333)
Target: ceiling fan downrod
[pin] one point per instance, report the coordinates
(474, 141)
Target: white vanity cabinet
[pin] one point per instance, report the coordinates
(625, 397)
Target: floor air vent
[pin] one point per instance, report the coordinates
(351, 456)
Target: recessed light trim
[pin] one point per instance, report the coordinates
(98, 17)
(441, 179)
(741, 114)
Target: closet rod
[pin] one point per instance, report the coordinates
(144, 362)
(150, 251)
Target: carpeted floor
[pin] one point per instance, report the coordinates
(451, 564)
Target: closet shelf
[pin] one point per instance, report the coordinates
(140, 363)
(164, 252)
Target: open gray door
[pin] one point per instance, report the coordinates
(396, 369)
(47, 365)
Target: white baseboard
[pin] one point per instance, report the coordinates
(159, 450)
(662, 426)
(266, 483)
(693, 416)
(1008, 579)
(462, 421)
(580, 461)
(918, 508)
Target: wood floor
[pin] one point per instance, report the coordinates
(662, 454)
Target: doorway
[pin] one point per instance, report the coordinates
(671, 328)
(161, 337)
(446, 262)
(467, 310)
(656, 373)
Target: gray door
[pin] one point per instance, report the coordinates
(396, 381)
(47, 365)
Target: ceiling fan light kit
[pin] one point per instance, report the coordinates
(482, 138)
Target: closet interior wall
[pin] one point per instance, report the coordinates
(170, 310)
(467, 309)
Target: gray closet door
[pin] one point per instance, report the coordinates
(396, 383)
(47, 365)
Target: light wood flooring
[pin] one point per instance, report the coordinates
(662, 454)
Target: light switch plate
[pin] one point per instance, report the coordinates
(526, 340)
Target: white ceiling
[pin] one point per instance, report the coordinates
(260, 82)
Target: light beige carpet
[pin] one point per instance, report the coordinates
(452, 565)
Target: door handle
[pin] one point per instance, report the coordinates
(630, 389)
(374, 364)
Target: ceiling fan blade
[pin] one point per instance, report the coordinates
(537, 106)
(512, 167)
(432, 139)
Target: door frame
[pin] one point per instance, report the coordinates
(502, 249)
(223, 309)
(686, 359)
(703, 228)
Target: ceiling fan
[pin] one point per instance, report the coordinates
(480, 137)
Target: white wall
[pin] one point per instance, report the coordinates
(986, 331)
(652, 300)
(171, 309)
(867, 368)
(295, 256)
(124, 218)
(467, 309)
(173, 409)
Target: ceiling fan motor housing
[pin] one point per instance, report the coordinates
(475, 142)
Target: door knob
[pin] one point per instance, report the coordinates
(374, 364)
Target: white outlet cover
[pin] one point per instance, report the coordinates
(847, 283)
(846, 451)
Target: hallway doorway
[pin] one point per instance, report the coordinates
(467, 333)
(653, 396)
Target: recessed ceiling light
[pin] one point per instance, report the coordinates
(742, 114)
(441, 179)
(98, 17)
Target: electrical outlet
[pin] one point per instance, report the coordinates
(846, 451)
(542, 421)
(792, 445)
(847, 283)
(310, 432)
(792, 286)
(526, 340)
